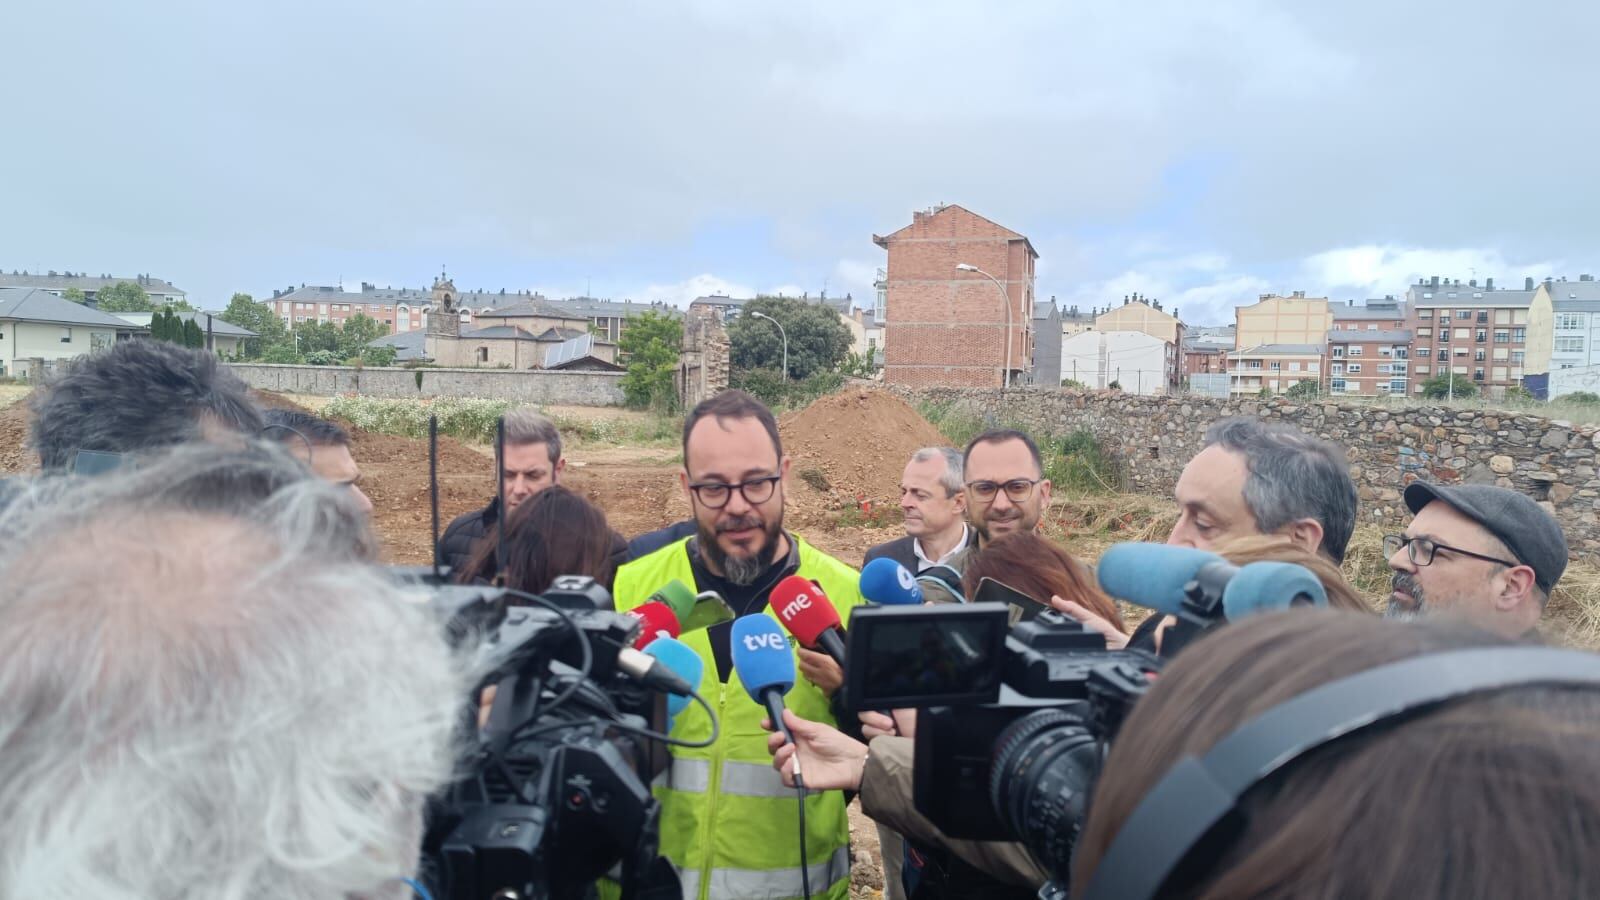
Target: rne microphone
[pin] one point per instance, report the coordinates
(804, 608)
(656, 620)
(765, 664)
(682, 660)
(887, 582)
(1198, 585)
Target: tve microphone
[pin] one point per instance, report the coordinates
(656, 621)
(765, 664)
(677, 597)
(677, 656)
(803, 607)
(887, 582)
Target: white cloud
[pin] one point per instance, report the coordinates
(1203, 287)
(1373, 270)
(684, 292)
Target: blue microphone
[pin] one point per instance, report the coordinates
(765, 664)
(1158, 576)
(1266, 586)
(1152, 575)
(677, 656)
(887, 582)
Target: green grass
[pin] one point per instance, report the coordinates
(473, 420)
(1074, 462)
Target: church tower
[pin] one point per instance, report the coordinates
(444, 318)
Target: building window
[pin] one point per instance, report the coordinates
(1422, 370)
(1353, 368)
(1478, 356)
(66, 335)
(1425, 314)
(1461, 334)
(1519, 335)
(1294, 367)
(1338, 368)
(1402, 353)
(1356, 350)
(1338, 352)
(1397, 385)
(1275, 365)
(1569, 345)
(483, 354)
(1336, 385)
(1569, 321)
(1482, 335)
(1501, 336)
(1425, 332)
(1427, 296)
(1372, 326)
(1516, 356)
(1477, 374)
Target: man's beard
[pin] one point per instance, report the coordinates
(1406, 584)
(1016, 515)
(741, 570)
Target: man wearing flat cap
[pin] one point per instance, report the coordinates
(1486, 554)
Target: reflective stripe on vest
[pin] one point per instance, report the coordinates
(769, 884)
(744, 779)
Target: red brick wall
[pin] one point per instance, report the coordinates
(945, 327)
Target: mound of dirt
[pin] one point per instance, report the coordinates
(852, 447)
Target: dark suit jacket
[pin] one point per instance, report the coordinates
(900, 550)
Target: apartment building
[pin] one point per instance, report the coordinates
(55, 283)
(1148, 316)
(953, 327)
(1368, 362)
(1575, 307)
(1490, 335)
(1274, 368)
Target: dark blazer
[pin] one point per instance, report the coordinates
(900, 550)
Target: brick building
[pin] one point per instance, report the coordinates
(1491, 336)
(1204, 357)
(1369, 362)
(945, 327)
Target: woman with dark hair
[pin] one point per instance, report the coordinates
(1042, 570)
(1490, 795)
(555, 532)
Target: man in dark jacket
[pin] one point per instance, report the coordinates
(532, 463)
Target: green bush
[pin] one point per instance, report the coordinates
(1084, 465)
(1582, 398)
(1304, 390)
(473, 419)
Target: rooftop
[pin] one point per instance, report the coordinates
(39, 305)
(1282, 350)
(1374, 309)
(226, 329)
(1381, 336)
(60, 281)
(409, 345)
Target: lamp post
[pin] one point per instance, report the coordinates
(782, 334)
(1005, 377)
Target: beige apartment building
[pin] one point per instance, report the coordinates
(1492, 336)
(1275, 319)
(1146, 316)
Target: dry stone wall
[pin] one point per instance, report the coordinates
(1552, 461)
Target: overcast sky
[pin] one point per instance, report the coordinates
(1199, 152)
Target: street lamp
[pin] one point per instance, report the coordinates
(1005, 379)
(782, 334)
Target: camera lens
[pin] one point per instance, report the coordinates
(1043, 767)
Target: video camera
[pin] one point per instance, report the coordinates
(1014, 724)
(557, 785)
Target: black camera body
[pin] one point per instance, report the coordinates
(1012, 757)
(557, 785)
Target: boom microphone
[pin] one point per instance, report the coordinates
(657, 621)
(887, 582)
(765, 664)
(1174, 581)
(804, 608)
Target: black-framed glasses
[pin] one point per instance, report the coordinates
(1420, 550)
(1018, 489)
(756, 491)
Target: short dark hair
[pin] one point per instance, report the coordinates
(1293, 475)
(1001, 436)
(732, 405)
(288, 426)
(138, 395)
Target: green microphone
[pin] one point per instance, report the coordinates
(676, 596)
(694, 611)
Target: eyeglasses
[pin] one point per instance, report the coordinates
(756, 491)
(1421, 550)
(1018, 489)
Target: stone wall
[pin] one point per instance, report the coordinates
(570, 388)
(1552, 461)
(703, 359)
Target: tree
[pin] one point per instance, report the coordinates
(818, 338)
(244, 312)
(1304, 390)
(124, 296)
(649, 348)
(283, 354)
(379, 356)
(192, 335)
(358, 331)
(858, 365)
(1439, 387)
(164, 326)
(72, 294)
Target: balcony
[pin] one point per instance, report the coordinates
(1477, 376)
(1483, 318)
(1444, 356)
(1479, 339)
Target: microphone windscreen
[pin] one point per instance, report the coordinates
(684, 662)
(885, 581)
(1266, 586)
(804, 608)
(677, 596)
(654, 617)
(1151, 575)
(761, 655)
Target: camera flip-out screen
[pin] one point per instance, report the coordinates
(919, 656)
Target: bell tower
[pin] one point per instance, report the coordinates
(443, 317)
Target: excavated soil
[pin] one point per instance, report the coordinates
(14, 453)
(858, 442)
